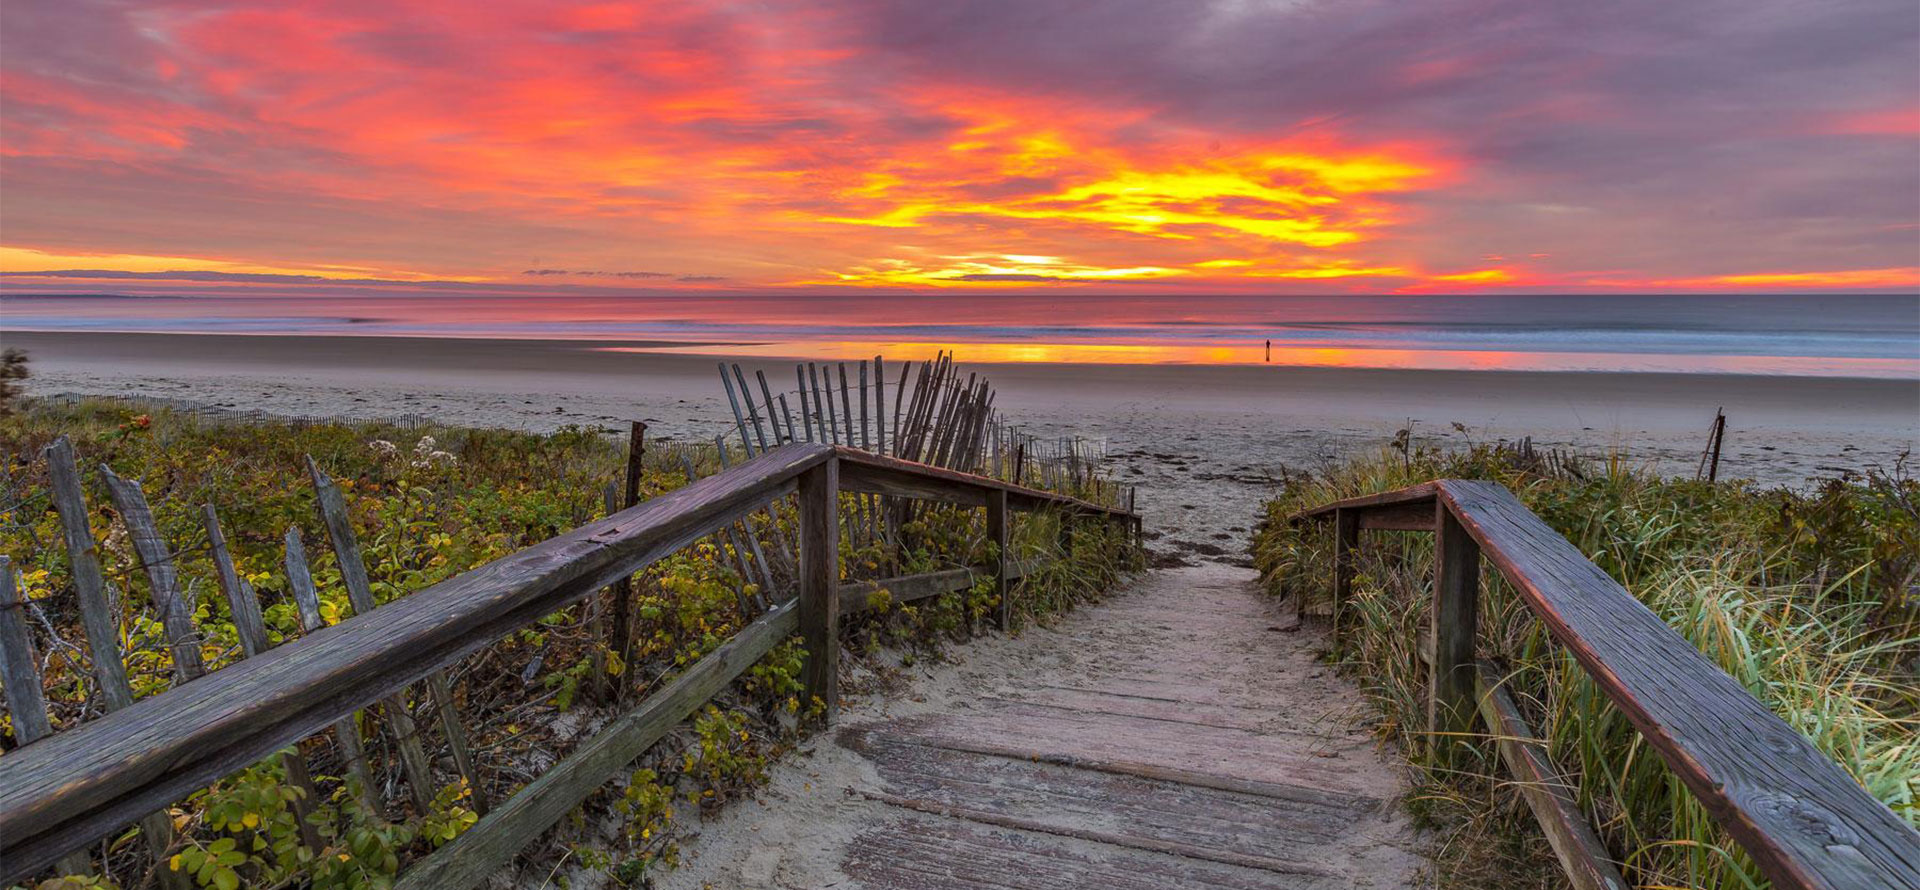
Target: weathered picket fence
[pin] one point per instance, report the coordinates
(61, 792)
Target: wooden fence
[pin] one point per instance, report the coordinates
(64, 790)
(1802, 819)
(932, 417)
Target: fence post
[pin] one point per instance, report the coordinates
(621, 603)
(997, 536)
(20, 678)
(1346, 548)
(1456, 598)
(818, 497)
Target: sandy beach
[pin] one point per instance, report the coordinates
(1203, 442)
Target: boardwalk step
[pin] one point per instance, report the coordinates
(1152, 814)
(930, 854)
(1285, 759)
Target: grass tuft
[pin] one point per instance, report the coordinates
(1811, 599)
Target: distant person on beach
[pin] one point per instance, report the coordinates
(1269, 351)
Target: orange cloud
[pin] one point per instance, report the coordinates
(1896, 277)
(769, 147)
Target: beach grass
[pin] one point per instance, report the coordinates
(429, 503)
(1810, 598)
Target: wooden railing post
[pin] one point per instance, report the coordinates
(1456, 600)
(819, 495)
(1346, 549)
(997, 537)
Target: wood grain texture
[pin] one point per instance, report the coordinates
(1346, 547)
(861, 471)
(1180, 743)
(19, 665)
(499, 836)
(1411, 517)
(80, 784)
(1412, 494)
(1582, 856)
(997, 529)
(163, 583)
(90, 586)
(1804, 821)
(241, 602)
(1452, 630)
(346, 730)
(353, 574)
(819, 600)
(20, 681)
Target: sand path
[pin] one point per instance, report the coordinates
(1179, 735)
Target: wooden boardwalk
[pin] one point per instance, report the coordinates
(1180, 735)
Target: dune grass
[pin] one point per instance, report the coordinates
(1811, 599)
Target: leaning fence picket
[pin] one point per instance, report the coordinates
(83, 561)
(353, 574)
(252, 631)
(176, 612)
(102, 628)
(346, 730)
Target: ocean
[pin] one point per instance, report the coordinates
(1872, 336)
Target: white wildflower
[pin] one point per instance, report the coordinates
(383, 448)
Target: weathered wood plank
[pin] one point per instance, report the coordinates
(819, 600)
(862, 471)
(20, 680)
(1582, 856)
(83, 560)
(1452, 628)
(1161, 815)
(353, 574)
(1804, 821)
(80, 784)
(1412, 517)
(924, 853)
(346, 730)
(19, 666)
(879, 406)
(621, 603)
(753, 414)
(806, 405)
(252, 630)
(241, 602)
(497, 838)
(443, 702)
(1413, 494)
(103, 639)
(169, 602)
(997, 530)
(1346, 554)
(739, 418)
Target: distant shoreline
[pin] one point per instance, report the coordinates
(247, 346)
(1204, 442)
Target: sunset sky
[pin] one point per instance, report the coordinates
(1233, 147)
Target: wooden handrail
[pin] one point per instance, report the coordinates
(878, 474)
(69, 788)
(1802, 818)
